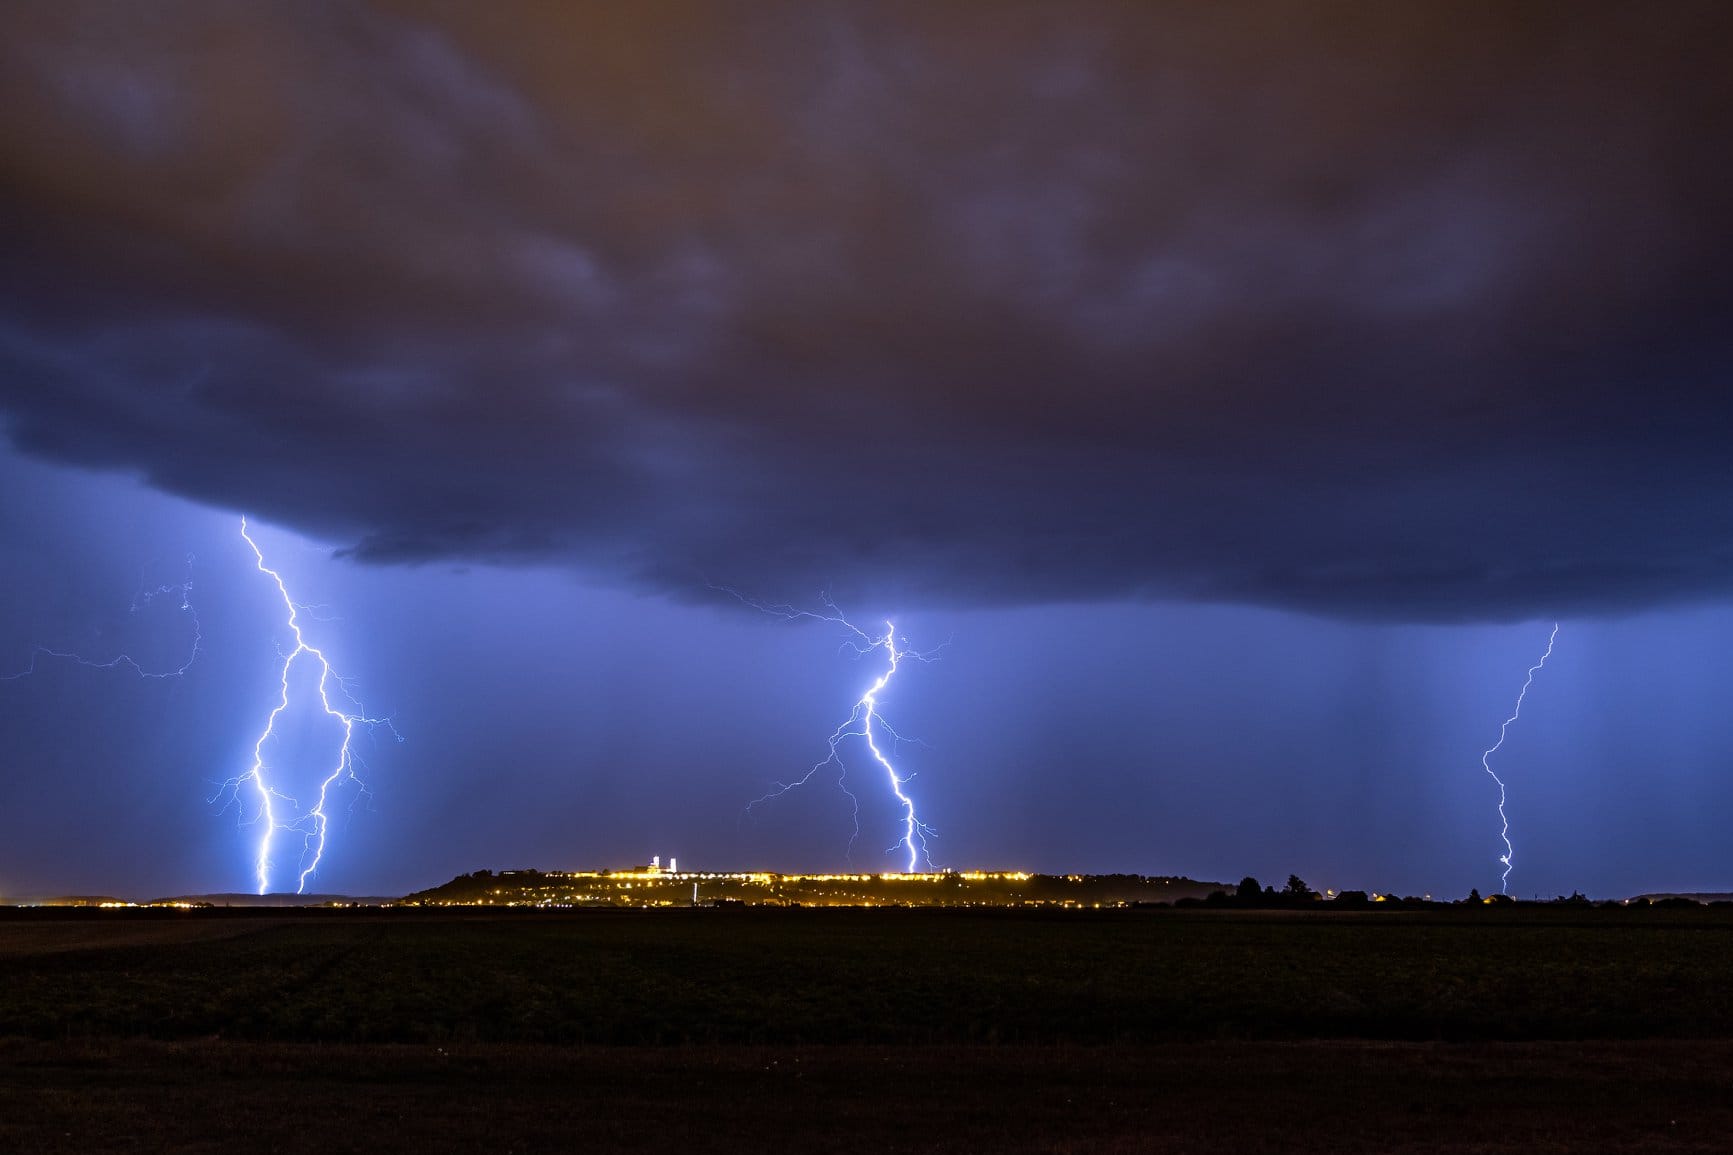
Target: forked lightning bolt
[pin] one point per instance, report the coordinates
(1486, 760)
(277, 810)
(866, 723)
(143, 598)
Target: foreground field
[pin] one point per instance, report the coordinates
(840, 976)
(1232, 1098)
(1526, 1030)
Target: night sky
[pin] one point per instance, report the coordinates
(1242, 391)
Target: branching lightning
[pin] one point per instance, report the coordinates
(1486, 760)
(145, 596)
(867, 724)
(277, 810)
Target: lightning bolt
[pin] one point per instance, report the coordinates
(867, 724)
(277, 809)
(140, 600)
(1486, 760)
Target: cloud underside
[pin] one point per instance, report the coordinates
(1409, 313)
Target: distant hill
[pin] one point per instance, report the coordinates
(1704, 896)
(650, 886)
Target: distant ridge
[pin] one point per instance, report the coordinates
(1704, 896)
(653, 886)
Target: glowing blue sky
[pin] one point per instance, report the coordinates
(552, 723)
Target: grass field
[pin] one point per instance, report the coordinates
(1529, 1029)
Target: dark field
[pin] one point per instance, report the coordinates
(1487, 1030)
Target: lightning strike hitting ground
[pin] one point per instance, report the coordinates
(1486, 760)
(143, 598)
(866, 723)
(276, 807)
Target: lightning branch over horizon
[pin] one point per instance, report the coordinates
(866, 723)
(1486, 761)
(312, 825)
(143, 598)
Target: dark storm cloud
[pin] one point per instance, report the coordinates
(1409, 311)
